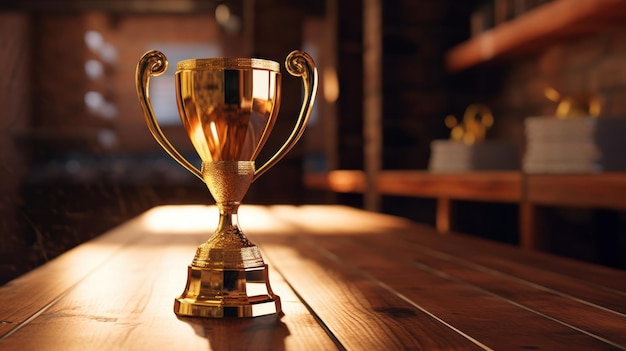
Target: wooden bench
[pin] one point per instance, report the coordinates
(348, 280)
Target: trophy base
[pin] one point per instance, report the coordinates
(225, 293)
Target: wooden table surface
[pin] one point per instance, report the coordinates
(348, 280)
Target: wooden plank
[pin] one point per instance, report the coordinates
(535, 30)
(342, 181)
(481, 186)
(553, 311)
(605, 321)
(521, 306)
(602, 190)
(361, 314)
(598, 285)
(502, 186)
(335, 220)
(609, 283)
(59, 276)
(490, 253)
(460, 306)
(126, 302)
(523, 310)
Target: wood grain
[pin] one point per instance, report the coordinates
(603, 190)
(24, 297)
(348, 280)
(361, 314)
(123, 300)
(535, 30)
(479, 186)
(534, 304)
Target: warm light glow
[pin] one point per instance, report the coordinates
(214, 135)
(594, 107)
(260, 86)
(181, 219)
(563, 108)
(329, 220)
(476, 120)
(331, 85)
(457, 133)
(346, 181)
(222, 14)
(187, 219)
(230, 22)
(552, 94)
(469, 139)
(257, 221)
(450, 121)
(198, 140)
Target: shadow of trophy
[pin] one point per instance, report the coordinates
(228, 107)
(262, 333)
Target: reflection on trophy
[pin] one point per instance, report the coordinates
(228, 107)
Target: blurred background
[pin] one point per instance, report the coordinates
(77, 159)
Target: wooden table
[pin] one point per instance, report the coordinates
(348, 280)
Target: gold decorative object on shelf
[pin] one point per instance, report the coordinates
(578, 105)
(467, 150)
(228, 107)
(476, 120)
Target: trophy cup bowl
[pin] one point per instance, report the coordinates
(228, 107)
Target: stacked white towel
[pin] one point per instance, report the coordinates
(574, 145)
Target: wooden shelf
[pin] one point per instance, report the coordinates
(598, 190)
(341, 181)
(479, 186)
(601, 190)
(536, 30)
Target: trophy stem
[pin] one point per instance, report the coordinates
(229, 221)
(228, 247)
(227, 277)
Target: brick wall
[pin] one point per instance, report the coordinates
(594, 64)
(61, 82)
(417, 92)
(14, 152)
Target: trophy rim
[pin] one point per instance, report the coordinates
(227, 63)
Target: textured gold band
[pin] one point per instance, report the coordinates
(227, 63)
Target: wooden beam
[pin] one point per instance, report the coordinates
(536, 30)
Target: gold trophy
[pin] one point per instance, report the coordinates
(228, 107)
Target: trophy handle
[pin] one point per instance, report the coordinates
(154, 63)
(298, 64)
